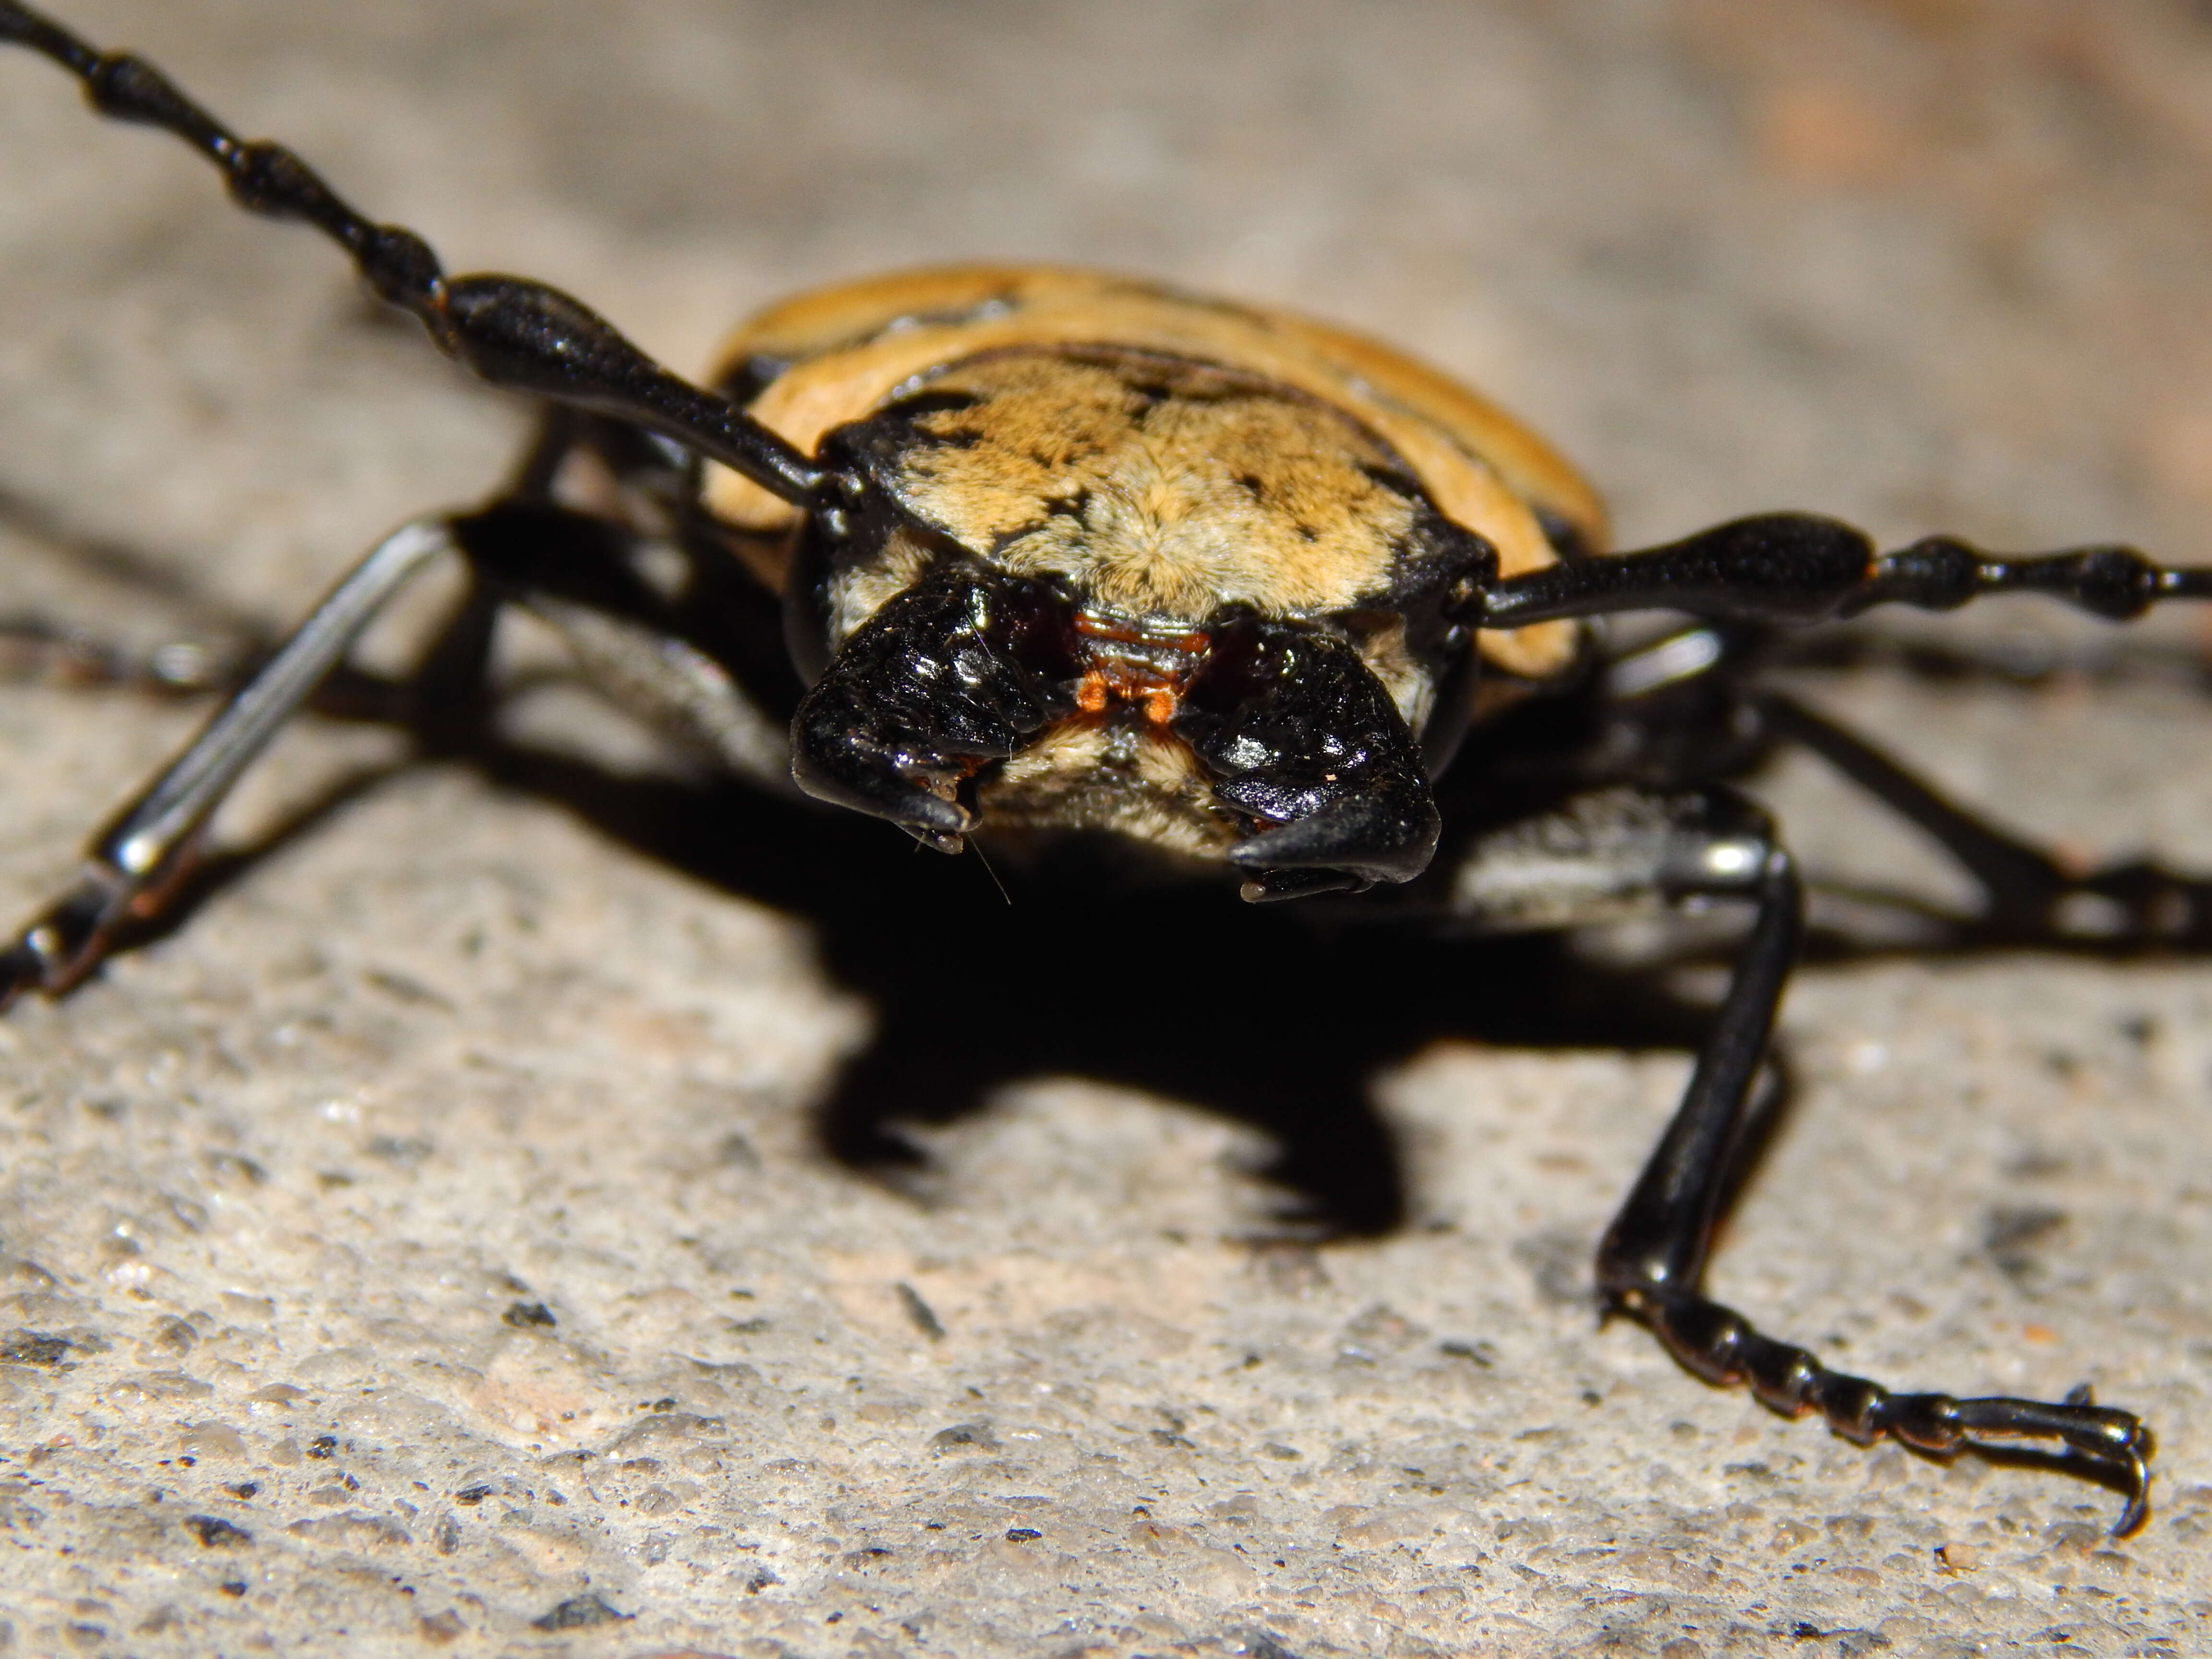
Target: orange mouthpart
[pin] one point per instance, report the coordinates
(1126, 663)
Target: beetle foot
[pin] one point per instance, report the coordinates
(1721, 1345)
(66, 941)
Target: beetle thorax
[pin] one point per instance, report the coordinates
(1156, 488)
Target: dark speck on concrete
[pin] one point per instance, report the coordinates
(215, 1533)
(33, 1348)
(2013, 1233)
(961, 1435)
(578, 1612)
(924, 1316)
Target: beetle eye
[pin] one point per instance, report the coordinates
(1302, 737)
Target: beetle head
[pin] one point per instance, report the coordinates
(1097, 591)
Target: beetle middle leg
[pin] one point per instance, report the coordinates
(2030, 896)
(1689, 705)
(1599, 856)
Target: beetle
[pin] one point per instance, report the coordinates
(1066, 564)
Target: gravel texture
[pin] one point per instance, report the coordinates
(455, 1238)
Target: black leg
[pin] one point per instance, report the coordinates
(666, 655)
(133, 865)
(1651, 1264)
(2028, 891)
(1619, 851)
(509, 331)
(2019, 880)
(1680, 709)
(1798, 568)
(672, 657)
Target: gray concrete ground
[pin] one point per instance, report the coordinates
(287, 1191)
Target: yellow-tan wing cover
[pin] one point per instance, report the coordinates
(851, 348)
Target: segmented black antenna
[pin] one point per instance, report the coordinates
(517, 334)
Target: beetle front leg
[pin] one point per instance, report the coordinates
(1651, 1263)
(1605, 855)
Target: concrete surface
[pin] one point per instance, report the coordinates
(435, 1246)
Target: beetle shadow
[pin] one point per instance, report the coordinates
(981, 978)
(1278, 1017)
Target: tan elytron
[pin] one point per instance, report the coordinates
(1254, 484)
